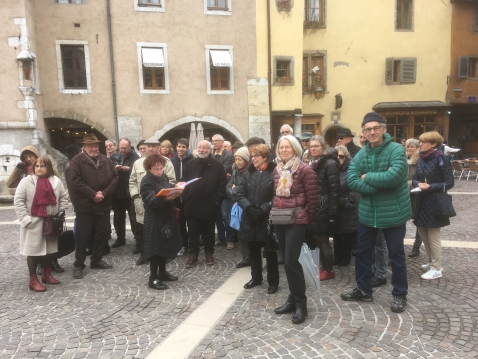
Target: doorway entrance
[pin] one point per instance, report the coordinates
(330, 135)
(209, 130)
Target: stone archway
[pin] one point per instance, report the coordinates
(330, 134)
(80, 118)
(209, 119)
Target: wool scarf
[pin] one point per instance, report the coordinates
(285, 172)
(425, 155)
(44, 196)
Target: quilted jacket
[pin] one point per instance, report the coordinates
(348, 204)
(328, 184)
(385, 198)
(302, 193)
(256, 189)
(437, 171)
(236, 179)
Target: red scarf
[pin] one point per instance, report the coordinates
(44, 196)
(425, 155)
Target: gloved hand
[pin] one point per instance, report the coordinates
(255, 213)
(20, 165)
(333, 222)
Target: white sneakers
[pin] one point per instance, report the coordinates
(432, 274)
(426, 266)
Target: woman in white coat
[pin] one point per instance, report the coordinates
(37, 196)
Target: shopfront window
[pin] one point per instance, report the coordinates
(397, 127)
(424, 124)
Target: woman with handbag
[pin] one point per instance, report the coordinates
(161, 237)
(37, 196)
(325, 163)
(241, 163)
(295, 188)
(346, 236)
(433, 176)
(254, 196)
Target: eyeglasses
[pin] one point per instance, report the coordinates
(375, 129)
(40, 166)
(315, 146)
(217, 141)
(341, 157)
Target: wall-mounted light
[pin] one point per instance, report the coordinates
(318, 92)
(457, 92)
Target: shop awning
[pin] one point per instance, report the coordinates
(152, 57)
(410, 104)
(221, 58)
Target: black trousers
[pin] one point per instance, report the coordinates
(138, 234)
(256, 263)
(183, 229)
(84, 224)
(120, 207)
(291, 238)
(343, 244)
(198, 226)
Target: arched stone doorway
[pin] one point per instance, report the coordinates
(65, 128)
(330, 134)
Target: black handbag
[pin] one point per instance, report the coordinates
(54, 225)
(444, 204)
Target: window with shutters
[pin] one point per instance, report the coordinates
(400, 70)
(74, 76)
(468, 67)
(475, 18)
(313, 71)
(283, 71)
(153, 67)
(220, 70)
(404, 15)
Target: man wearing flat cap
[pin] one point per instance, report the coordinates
(305, 140)
(93, 179)
(379, 172)
(345, 138)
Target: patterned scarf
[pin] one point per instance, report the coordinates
(425, 155)
(44, 196)
(285, 172)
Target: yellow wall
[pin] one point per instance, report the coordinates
(364, 36)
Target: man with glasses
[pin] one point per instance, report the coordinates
(201, 200)
(345, 138)
(225, 234)
(379, 172)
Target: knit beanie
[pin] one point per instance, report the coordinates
(243, 152)
(372, 117)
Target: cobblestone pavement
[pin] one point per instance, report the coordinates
(113, 314)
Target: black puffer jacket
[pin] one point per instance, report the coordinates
(348, 204)
(236, 179)
(328, 182)
(436, 171)
(257, 190)
(353, 148)
(122, 189)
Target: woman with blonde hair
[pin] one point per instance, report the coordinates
(433, 175)
(166, 149)
(37, 196)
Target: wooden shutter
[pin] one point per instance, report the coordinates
(475, 19)
(389, 70)
(463, 65)
(409, 71)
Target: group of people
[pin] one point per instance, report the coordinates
(358, 195)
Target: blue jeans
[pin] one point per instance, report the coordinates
(224, 230)
(367, 237)
(380, 260)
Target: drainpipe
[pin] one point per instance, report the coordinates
(112, 66)
(269, 69)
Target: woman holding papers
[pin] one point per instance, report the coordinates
(433, 175)
(162, 239)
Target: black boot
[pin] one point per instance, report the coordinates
(155, 283)
(137, 249)
(55, 266)
(415, 252)
(300, 314)
(288, 307)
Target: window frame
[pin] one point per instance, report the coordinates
(464, 67)
(290, 60)
(59, 61)
(315, 23)
(150, 8)
(475, 17)
(70, 2)
(164, 47)
(209, 89)
(218, 11)
(410, 15)
(405, 77)
(308, 75)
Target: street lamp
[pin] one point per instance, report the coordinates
(457, 92)
(318, 92)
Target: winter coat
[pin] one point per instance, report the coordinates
(137, 174)
(227, 160)
(161, 236)
(18, 174)
(86, 179)
(412, 167)
(256, 190)
(121, 190)
(348, 204)
(201, 199)
(437, 172)
(385, 199)
(353, 148)
(32, 240)
(180, 164)
(303, 192)
(328, 184)
(236, 179)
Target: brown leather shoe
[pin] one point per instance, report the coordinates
(46, 277)
(35, 284)
(192, 261)
(209, 259)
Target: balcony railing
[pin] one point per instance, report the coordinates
(310, 81)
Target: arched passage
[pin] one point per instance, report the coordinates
(212, 125)
(330, 134)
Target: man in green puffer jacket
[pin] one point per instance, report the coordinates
(379, 172)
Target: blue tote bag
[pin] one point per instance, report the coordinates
(236, 214)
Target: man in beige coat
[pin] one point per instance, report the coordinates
(137, 174)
